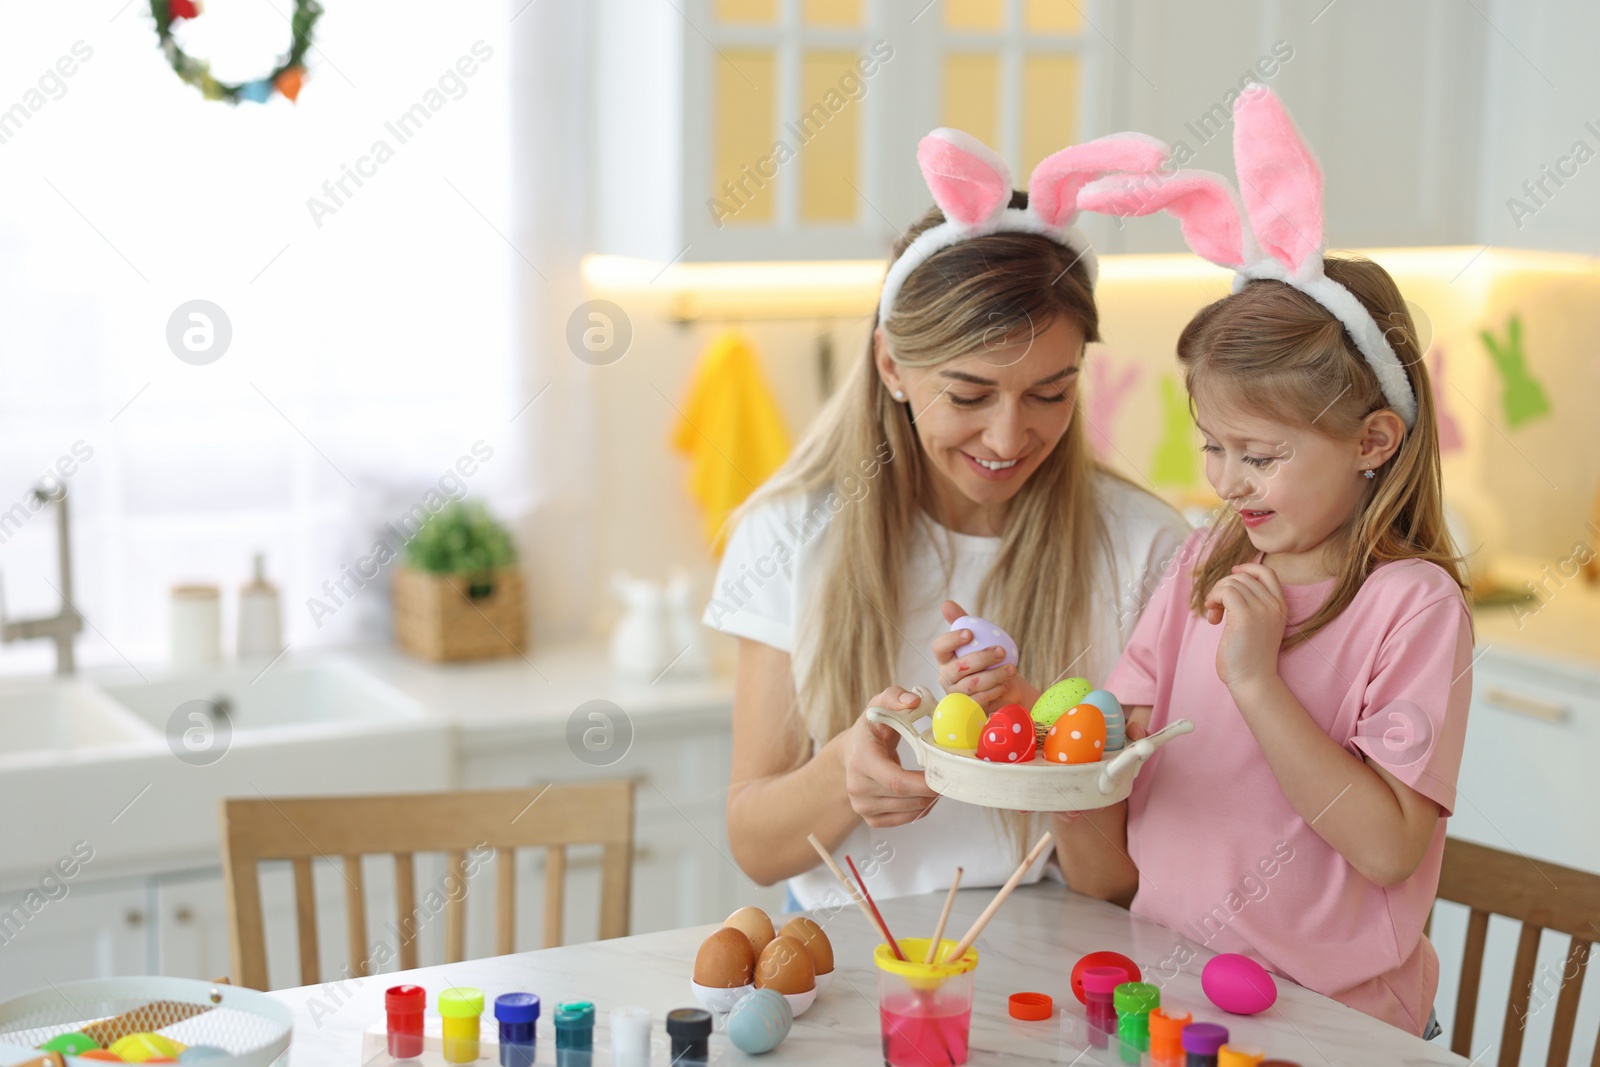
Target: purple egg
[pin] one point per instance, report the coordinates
(985, 634)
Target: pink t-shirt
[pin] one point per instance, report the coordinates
(1224, 859)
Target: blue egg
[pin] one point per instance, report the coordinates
(759, 1021)
(1111, 708)
(200, 1053)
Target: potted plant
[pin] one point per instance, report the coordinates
(458, 594)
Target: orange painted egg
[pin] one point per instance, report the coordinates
(1078, 736)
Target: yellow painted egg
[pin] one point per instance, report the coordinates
(785, 967)
(755, 924)
(138, 1048)
(725, 960)
(958, 722)
(1078, 736)
(809, 934)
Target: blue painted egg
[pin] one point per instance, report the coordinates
(1116, 722)
(760, 1021)
(985, 634)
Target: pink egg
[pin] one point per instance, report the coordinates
(1238, 984)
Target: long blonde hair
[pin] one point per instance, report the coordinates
(1042, 587)
(1288, 354)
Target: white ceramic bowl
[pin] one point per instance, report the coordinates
(719, 1001)
(799, 1002)
(823, 982)
(1032, 786)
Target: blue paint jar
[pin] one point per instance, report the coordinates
(518, 1016)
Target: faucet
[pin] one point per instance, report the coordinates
(66, 622)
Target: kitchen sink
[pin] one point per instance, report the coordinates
(281, 696)
(42, 718)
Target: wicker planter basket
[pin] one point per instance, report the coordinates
(445, 617)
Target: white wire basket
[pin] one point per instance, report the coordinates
(251, 1027)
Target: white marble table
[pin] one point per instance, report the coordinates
(1031, 945)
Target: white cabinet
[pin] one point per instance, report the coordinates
(94, 931)
(787, 129)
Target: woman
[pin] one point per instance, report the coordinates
(950, 471)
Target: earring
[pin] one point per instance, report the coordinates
(1369, 474)
(899, 394)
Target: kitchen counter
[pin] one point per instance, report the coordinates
(1031, 945)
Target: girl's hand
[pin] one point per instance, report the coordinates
(1250, 605)
(881, 791)
(978, 673)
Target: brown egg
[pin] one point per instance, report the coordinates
(785, 966)
(816, 942)
(725, 960)
(755, 924)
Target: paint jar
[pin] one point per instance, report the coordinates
(405, 1005)
(1201, 1042)
(690, 1031)
(518, 1016)
(1099, 984)
(460, 1012)
(925, 1009)
(1166, 1036)
(574, 1033)
(1134, 1001)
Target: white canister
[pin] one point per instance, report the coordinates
(196, 625)
(260, 626)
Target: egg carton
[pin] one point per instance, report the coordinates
(375, 1046)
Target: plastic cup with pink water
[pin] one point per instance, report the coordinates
(925, 1008)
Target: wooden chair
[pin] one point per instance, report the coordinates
(1543, 896)
(300, 829)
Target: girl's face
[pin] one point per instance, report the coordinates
(987, 420)
(1293, 487)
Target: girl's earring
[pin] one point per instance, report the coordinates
(1369, 474)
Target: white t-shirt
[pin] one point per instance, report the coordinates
(778, 550)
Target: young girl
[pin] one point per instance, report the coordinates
(1316, 633)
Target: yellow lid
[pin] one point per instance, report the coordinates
(1228, 1056)
(460, 1002)
(916, 950)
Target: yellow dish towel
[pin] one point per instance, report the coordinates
(731, 430)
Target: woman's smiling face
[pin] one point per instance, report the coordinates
(987, 420)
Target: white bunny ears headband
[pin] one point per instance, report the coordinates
(1278, 235)
(972, 186)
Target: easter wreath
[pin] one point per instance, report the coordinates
(286, 77)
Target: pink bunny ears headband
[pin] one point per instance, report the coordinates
(972, 186)
(1278, 235)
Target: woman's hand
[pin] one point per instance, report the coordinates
(978, 673)
(1250, 605)
(881, 791)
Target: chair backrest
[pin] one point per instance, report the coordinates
(1544, 896)
(300, 829)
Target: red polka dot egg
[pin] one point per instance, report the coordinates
(1079, 736)
(1008, 736)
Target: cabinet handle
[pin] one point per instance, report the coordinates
(1533, 707)
(183, 914)
(133, 917)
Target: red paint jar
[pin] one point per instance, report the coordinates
(405, 1005)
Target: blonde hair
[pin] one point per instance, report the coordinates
(1287, 354)
(1042, 586)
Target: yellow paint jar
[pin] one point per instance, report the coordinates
(460, 1009)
